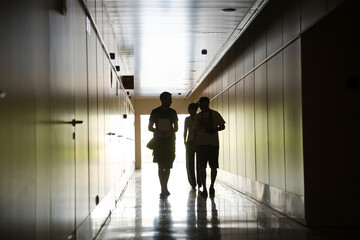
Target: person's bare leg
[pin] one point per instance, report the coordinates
(203, 180)
(213, 177)
(166, 179)
(161, 178)
(164, 174)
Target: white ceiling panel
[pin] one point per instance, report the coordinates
(161, 42)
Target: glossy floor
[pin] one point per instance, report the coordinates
(140, 214)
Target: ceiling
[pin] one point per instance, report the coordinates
(161, 41)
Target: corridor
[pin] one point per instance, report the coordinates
(140, 214)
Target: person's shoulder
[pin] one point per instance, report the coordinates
(214, 111)
(155, 110)
(173, 110)
(218, 115)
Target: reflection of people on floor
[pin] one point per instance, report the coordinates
(191, 216)
(163, 224)
(194, 179)
(165, 121)
(207, 228)
(215, 221)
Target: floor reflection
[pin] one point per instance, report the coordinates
(163, 223)
(140, 214)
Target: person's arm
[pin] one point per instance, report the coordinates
(175, 122)
(220, 127)
(220, 123)
(176, 126)
(185, 131)
(195, 132)
(151, 126)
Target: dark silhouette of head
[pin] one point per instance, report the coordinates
(165, 99)
(192, 108)
(204, 103)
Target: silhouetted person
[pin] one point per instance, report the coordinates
(194, 180)
(206, 126)
(165, 121)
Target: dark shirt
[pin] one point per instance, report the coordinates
(169, 115)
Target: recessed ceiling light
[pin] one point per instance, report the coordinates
(228, 9)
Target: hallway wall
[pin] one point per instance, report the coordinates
(53, 69)
(258, 87)
(331, 95)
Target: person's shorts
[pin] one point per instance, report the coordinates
(208, 154)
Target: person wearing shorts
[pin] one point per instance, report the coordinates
(207, 124)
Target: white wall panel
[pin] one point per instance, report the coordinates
(276, 121)
(225, 114)
(293, 119)
(240, 129)
(249, 98)
(261, 125)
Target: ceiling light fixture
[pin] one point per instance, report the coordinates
(214, 33)
(228, 9)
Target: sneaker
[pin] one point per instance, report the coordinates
(212, 192)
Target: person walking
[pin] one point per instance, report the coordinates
(191, 164)
(163, 123)
(207, 124)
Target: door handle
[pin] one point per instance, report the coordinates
(74, 122)
(110, 133)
